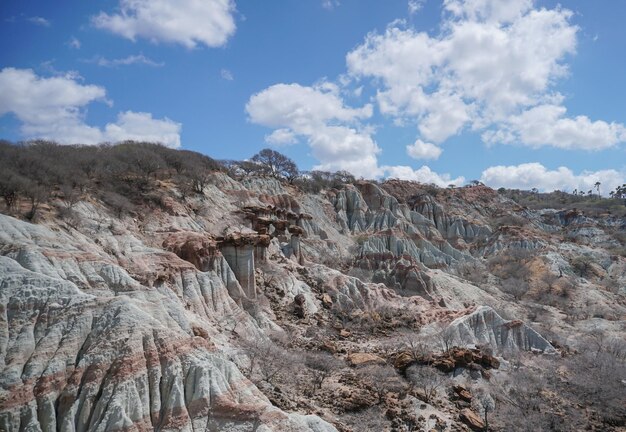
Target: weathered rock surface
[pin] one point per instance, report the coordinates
(78, 356)
(138, 323)
(486, 327)
(472, 419)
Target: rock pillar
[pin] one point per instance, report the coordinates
(240, 252)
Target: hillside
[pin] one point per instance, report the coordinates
(143, 288)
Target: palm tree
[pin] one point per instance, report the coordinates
(597, 185)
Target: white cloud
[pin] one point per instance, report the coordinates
(38, 101)
(493, 65)
(39, 21)
(189, 22)
(415, 6)
(531, 175)
(319, 114)
(281, 137)
(54, 108)
(74, 43)
(125, 61)
(227, 75)
(423, 150)
(140, 126)
(422, 175)
(301, 108)
(547, 125)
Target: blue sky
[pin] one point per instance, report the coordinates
(515, 93)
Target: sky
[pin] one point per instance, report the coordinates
(513, 93)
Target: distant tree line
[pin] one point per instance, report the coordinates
(129, 173)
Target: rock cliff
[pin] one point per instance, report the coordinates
(157, 319)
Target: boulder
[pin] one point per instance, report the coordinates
(327, 301)
(361, 359)
(462, 393)
(472, 419)
(299, 306)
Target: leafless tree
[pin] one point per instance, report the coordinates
(321, 365)
(446, 335)
(582, 265)
(485, 405)
(276, 164)
(474, 272)
(417, 346)
(426, 379)
(516, 287)
(265, 358)
(381, 379)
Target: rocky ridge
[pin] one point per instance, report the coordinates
(138, 323)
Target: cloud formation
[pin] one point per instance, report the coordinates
(189, 23)
(39, 21)
(318, 114)
(492, 68)
(415, 6)
(54, 108)
(423, 150)
(531, 175)
(125, 61)
(422, 175)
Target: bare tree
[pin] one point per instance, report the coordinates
(516, 287)
(321, 365)
(381, 379)
(582, 265)
(485, 404)
(417, 346)
(474, 272)
(426, 379)
(276, 164)
(446, 335)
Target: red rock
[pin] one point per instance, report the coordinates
(472, 419)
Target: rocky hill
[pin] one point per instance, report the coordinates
(235, 301)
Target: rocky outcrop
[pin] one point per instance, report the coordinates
(76, 356)
(485, 327)
(142, 321)
(241, 251)
(510, 238)
(361, 359)
(448, 361)
(450, 227)
(472, 419)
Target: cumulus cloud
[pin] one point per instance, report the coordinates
(319, 114)
(188, 23)
(423, 150)
(54, 108)
(535, 175)
(492, 68)
(140, 126)
(547, 125)
(422, 175)
(281, 137)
